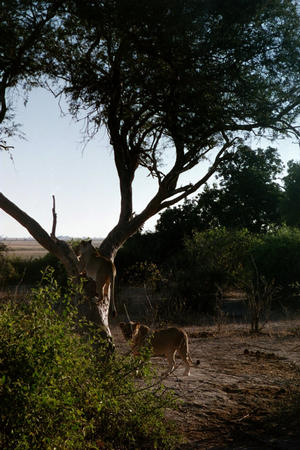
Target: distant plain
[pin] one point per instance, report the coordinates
(30, 248)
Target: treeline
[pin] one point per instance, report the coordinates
(241, 232)
(250, 192)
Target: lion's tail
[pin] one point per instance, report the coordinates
(185, 350)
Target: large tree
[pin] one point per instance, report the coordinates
(175, 82)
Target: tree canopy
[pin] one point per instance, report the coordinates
(173, 81)
(248, 194)
(25, 26)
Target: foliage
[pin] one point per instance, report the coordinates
(144, 273)
(29, 271)
(248, 194)
(178, 220)
(277, 256)
(263, 266)
(56, 392)
(173, 225)
(212, 261)
(260, 294)
(7, 270)
(24, 29)
(291, 201)
(136, 250)
(211, 46)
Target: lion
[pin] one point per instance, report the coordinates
(164, 342)
(100, 269)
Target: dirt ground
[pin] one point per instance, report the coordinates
(244, 394)
(238, 397)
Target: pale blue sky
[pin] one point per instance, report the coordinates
(84, 182)
(52, 161)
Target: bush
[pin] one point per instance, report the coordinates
(211, 262)
(265, 267)
(144, 274)
(57, 392)
(29, 271)
(7, 270)
(135, 250)
(277, 256)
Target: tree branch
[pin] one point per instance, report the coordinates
(3, 106)
(55, 246)
(54, 219)
(168, 191)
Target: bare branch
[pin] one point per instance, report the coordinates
(55, 94)
(287, 126)
(168, 190)
(150, 159)
(57, 247)
(54, 219)
(191, 188)
(5, 147)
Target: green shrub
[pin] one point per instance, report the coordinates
(136, 249)
(29, 271)
(265, 266)
(7, 270)
(211, 262)
(57, 392)
(144, 274)
(277, 256)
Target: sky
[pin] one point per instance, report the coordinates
(53, 161)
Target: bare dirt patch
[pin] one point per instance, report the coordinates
(232, 400)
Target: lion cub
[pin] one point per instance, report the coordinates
(164, 342)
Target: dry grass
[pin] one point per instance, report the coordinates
(24, 248)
